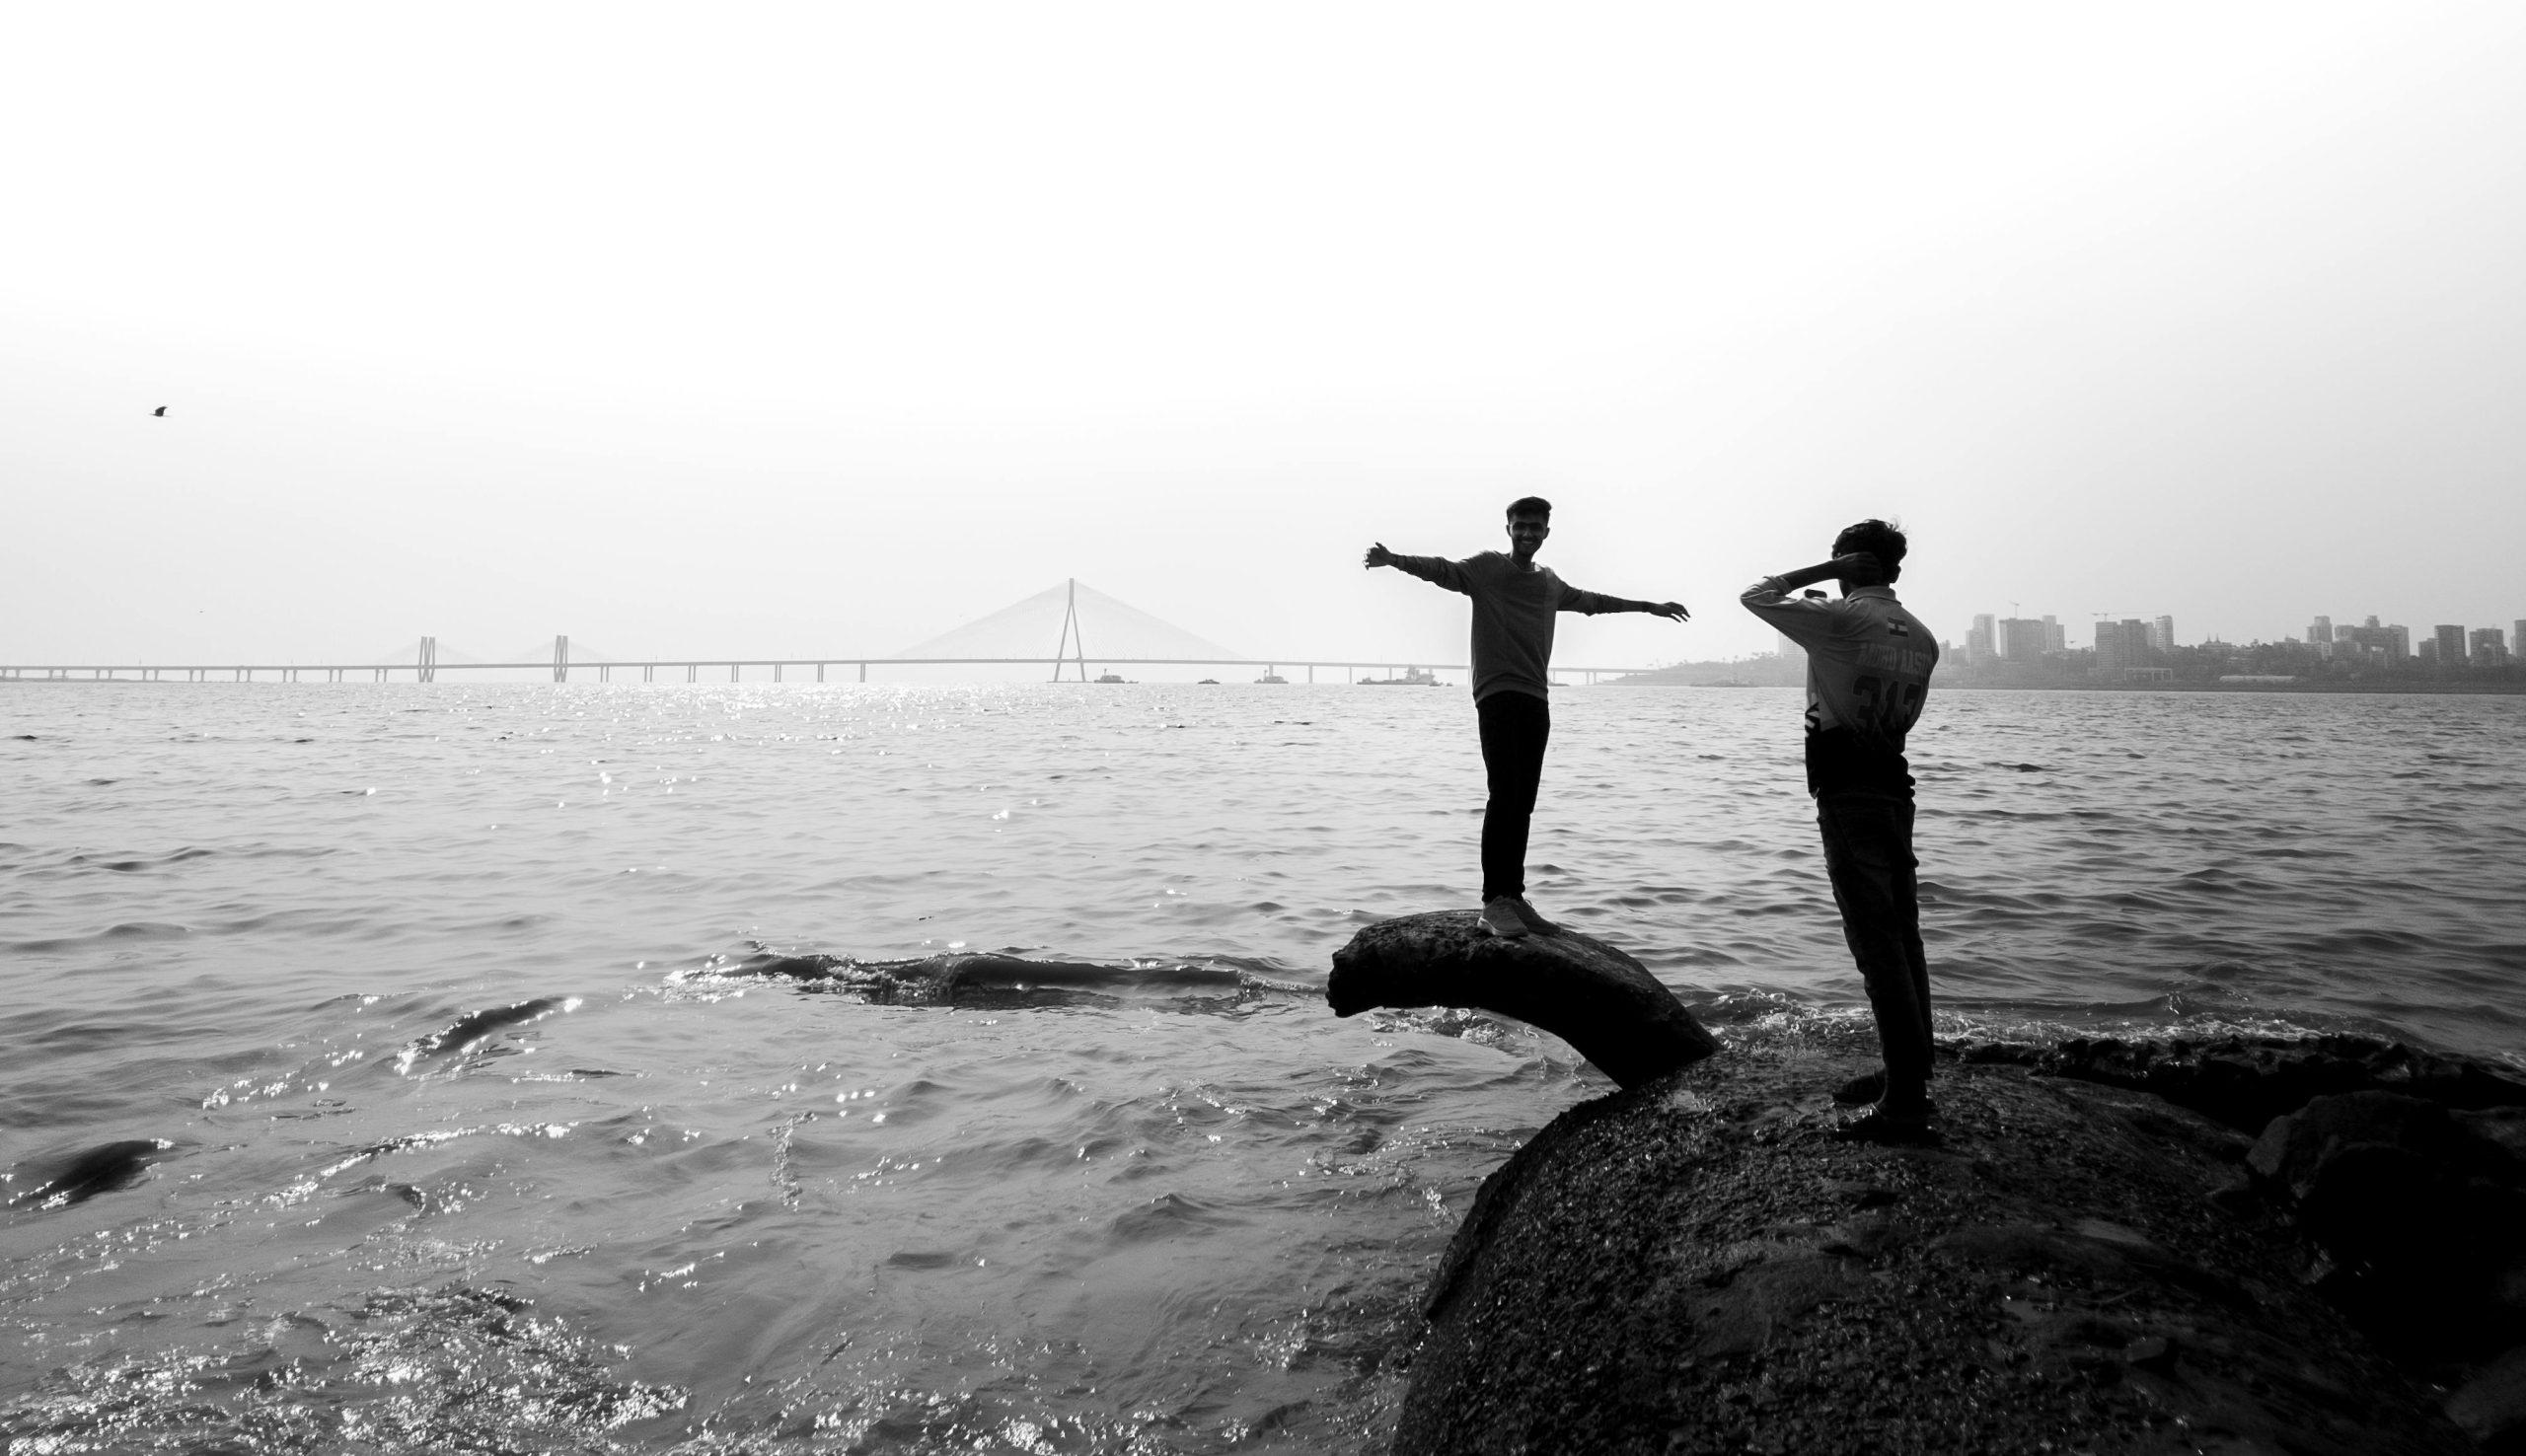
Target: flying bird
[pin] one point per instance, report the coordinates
(160, 410)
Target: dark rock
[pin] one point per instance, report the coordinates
(2234, 1196)
(973, 976)
(1762, 1306)
(101, 1169)
(2417, 1214)
(2498, 1137)
(1679, 1267)
(2491, 1407)
(469, 1030)
(2154, 1351)
(1583, 991)
(2246, 1081)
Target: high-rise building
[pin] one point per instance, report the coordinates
(2488, 649)
(2120, 645)
(2321, 631)
(2057, 638)
(2162, 635)
(2451, 644)
(2517, 638)
(2023, 638)
(2392, 643)
(1788, 646)
(2427, 653)
(1979, 644)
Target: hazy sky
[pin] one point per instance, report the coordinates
(793, 330)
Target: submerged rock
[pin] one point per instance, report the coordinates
(965, 975)
(1694, 1265)
(1583, 991)
(103, 1168)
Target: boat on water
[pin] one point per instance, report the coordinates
(1111, 678)
(1271, 677)
(1208, 683)
(1411, 678)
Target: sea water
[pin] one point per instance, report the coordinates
(1158, 1200)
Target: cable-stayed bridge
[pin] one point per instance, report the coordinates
(1066, 616)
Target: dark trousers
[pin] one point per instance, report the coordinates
(1868, 854)
(1515, 729)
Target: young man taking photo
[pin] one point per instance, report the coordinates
(1515, 603)
(1867, 671)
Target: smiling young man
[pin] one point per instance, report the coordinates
(1867, 671)
(1515, 603)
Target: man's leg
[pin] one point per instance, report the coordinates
(1514, 728)
(1868, 855)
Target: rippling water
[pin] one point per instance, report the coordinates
(1133, 1191)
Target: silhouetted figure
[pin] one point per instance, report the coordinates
(1513, 606)
(160, 410)
(1868, 669)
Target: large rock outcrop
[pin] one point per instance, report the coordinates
(1576, 987)
(1696, 1264)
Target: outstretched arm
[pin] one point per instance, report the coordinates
(1597, 604)
(1435, 570)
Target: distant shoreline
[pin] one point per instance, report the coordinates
(2424, 690)
(1763, 674)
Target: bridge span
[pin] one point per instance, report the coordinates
(693, 670)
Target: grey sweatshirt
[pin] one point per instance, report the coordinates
(1512, 616)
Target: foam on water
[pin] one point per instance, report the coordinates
(758, 1068)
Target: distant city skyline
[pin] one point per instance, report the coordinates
(2023, 638)
(1988, 637)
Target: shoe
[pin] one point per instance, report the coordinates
(1878, 1125)
(1861, 1090)
(1499, 918)
(1535, 921)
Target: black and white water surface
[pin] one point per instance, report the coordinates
(1154, 1198)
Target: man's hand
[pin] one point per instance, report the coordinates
(1378, 556)
(1672, 610)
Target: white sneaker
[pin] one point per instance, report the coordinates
(1499, 918)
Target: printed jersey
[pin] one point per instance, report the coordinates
(1512, 616)
(1868, 672)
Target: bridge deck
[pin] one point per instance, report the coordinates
(693, 668)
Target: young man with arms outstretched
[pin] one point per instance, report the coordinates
(1515, 602)
(1868, 669)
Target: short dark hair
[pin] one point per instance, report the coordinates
(1529, 505)
(1884, 539)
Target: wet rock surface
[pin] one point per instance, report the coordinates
(1694, 1265)
(1591, 994)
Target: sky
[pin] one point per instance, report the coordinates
(767, 330)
